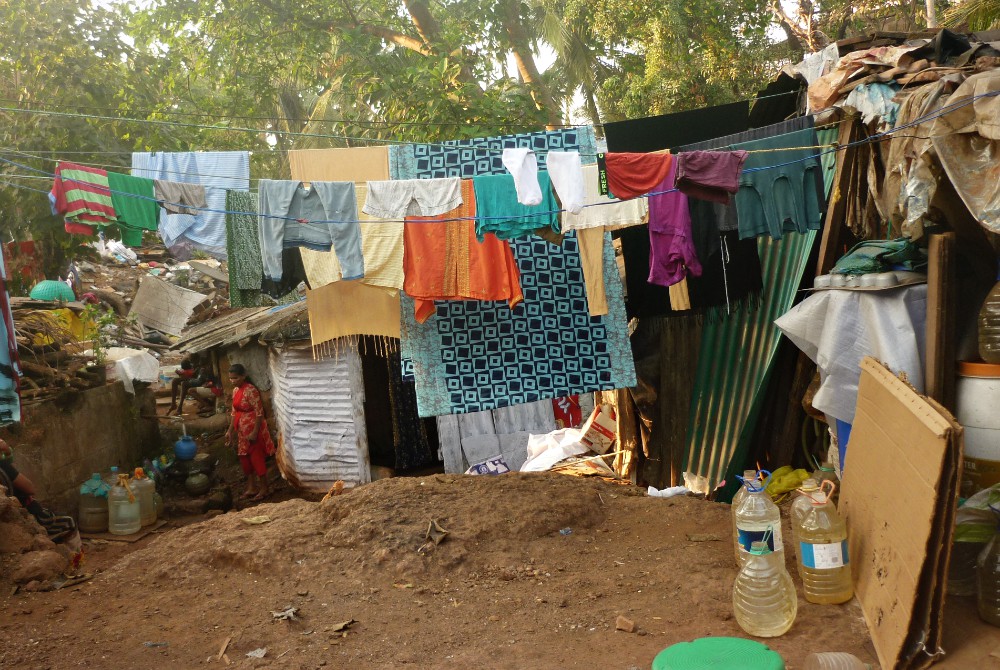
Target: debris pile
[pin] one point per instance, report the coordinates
(27, 554)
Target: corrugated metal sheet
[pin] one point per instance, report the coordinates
(319, 412)
(737, 355)
(240, 324)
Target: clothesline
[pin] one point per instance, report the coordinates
(877, 137)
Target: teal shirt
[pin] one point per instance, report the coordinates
(499, 212)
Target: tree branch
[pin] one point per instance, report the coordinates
(397, 38)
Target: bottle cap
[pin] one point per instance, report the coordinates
(809, 484)
(759, 548)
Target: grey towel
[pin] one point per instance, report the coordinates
(177, 197)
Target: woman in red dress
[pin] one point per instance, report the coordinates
(253, 441)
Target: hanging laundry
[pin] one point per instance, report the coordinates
(82, 196)
(780, 189)
(381, 241)
(731, 276)
(474, 157)
(523, 167)
(593, 243)
(135, 206)
(321, 217)
(672, 254)
(604, 211)
(347, 309)
(710, 175)
(10, 365)
(412, 197)
(498, 210)
(410, 444)
(442, 260)
(357, 164)
(670, 131)
(246, 269)
(178, 197)
(566, 173)
(293, 273)
(217, 172)
(381, 247)
(720, 217)
(630, 175)
(477, 355)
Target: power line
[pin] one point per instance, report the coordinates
(874, 138)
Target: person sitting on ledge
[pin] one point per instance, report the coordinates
(24, 490)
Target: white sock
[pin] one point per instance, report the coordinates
(523, 166)
(566, 173)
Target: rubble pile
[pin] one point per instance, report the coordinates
(27, 555)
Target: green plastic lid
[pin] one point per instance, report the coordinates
(50, 289)
(718, 653)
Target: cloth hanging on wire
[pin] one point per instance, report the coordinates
(217, 171)
(135, 206)
(670, 131)
(381, 241)
(246, 270)
(443, 260)
(474, 356)
(82, 197)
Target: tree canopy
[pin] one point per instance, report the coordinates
(345, 72)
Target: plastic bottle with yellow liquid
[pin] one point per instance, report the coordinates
(822, 550)
(764, 599)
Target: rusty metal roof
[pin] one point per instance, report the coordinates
(241, 324)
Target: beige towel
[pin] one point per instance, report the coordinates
(349, 308)
(591, 243)
(381, 243)
(355, 164)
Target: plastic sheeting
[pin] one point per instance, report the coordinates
(837, 329)
(967, 142)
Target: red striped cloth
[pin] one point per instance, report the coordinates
(83, 197)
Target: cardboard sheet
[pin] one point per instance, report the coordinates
(899, 499)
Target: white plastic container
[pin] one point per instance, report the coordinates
(977, 392)
(834, 660)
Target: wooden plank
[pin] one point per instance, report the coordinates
(939, 366)
(829, 248)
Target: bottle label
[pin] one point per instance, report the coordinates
(824, 556)
(748, 537)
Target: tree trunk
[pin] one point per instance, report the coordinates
(525, 61)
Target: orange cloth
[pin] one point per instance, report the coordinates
(442, 260)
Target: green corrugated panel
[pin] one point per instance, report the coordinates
(738, 353)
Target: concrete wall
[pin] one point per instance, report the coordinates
(59, 444)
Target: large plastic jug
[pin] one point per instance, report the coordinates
(800, 507)
(123, 509)
(748, 476)
(764, 600)
(834, 660)
(822, 555)
(144, 488)
(757, 519)
(989, 325)
(988, 578)
(93, 516)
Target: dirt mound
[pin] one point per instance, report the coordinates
(381, 526)
(26, 552)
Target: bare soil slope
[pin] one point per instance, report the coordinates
(533, 573)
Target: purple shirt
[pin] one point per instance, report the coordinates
(671, 252)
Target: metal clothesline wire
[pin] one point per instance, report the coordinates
(873, 138)
(342, 121)
(290, 133)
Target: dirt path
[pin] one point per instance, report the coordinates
(504, 589)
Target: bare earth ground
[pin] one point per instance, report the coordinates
(504, 589)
